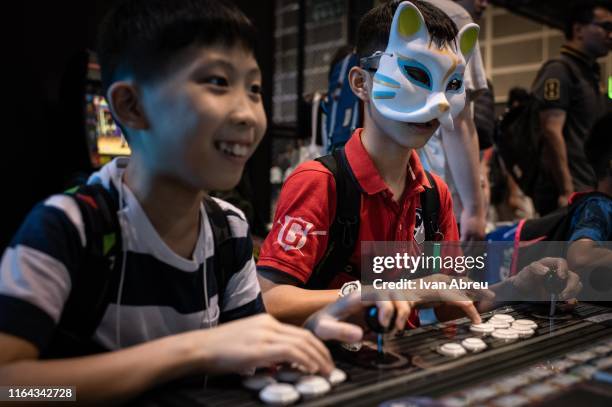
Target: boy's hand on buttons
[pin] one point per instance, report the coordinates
(330, 322)
(261, 341)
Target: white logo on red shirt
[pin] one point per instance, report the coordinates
(419, 227)
(294, 233)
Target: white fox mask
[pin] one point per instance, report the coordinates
(416, 81)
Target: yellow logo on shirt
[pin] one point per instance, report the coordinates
(552, 89)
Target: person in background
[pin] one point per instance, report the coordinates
(569, 103)
(454, 154)
(591, 226)
(507, 197)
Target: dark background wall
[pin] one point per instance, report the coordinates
(44, 135)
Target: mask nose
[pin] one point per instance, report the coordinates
(443, 107)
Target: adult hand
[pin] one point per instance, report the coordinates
(473, 226)
(530, 281)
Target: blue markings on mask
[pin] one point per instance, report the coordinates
(383, 95)
(386, 81)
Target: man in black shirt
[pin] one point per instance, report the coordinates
(569, 103)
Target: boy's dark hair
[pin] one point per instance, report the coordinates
(142, 38)
(581, 13)
(375, 25)
(598, 148)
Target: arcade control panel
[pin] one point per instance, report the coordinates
(518, 357)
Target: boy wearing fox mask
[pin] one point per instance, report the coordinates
(410, 80)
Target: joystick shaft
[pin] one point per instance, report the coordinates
(373, 323)
(554, 284)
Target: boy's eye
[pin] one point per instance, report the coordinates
(454, 84)
(216, 80)
(418, 75)
(256, 89)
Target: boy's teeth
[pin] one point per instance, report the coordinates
(237, 150)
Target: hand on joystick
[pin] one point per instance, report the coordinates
(372, 319)
(547, 276)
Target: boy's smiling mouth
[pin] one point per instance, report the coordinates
(233, 149)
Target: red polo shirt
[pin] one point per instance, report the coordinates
(307, 204)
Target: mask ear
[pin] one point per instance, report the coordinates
(468, 37)
(408, 25)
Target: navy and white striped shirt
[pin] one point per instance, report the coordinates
(163, 293)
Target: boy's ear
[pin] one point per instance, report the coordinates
(358, 80)
(124, 101)
(468, 37)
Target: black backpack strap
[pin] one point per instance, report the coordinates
(89, 295)
(430, 206)
(344, 230)
(430, 212)
(223, 259)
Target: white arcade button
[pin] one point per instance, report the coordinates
(336, 377)
(499, 324)
(474, 344)
(505, 334)
(502, 318)
(312, 386)
(452, 349)
(482, 329)
(279, 394)
(525, 322)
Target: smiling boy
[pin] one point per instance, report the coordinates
(183, 83)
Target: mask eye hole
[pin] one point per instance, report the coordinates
(415, 72)
(454, 85)
(418, 74)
